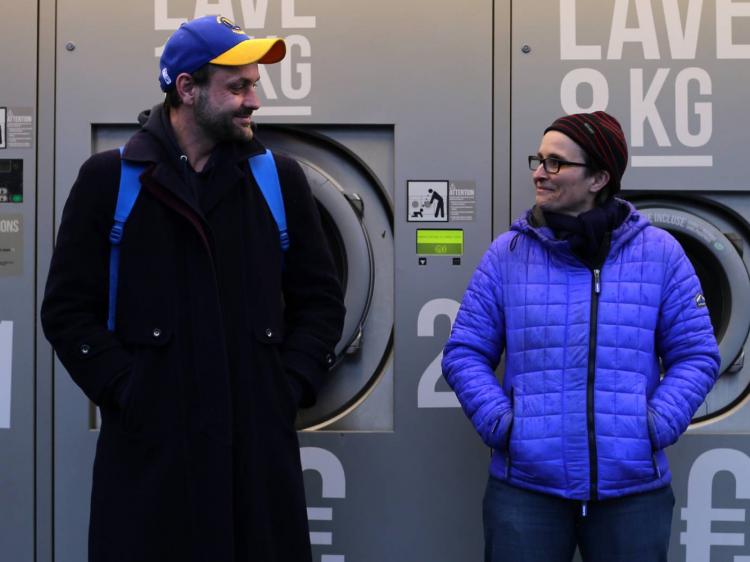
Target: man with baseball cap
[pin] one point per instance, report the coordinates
(220, 331)
(609, 351)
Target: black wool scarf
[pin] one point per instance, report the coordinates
(587, 232)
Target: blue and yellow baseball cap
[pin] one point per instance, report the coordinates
(217, 40)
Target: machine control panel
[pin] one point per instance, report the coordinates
(11, 180)
(440, 242)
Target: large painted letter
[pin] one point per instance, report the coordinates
(333, 481)
(700, 514)
(427, 394)
(569, 49)
(643, 107)
(702, 109)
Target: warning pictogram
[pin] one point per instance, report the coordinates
(427, 201)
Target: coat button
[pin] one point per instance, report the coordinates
(156, 332)
(85, 348)
(269, 333)
(329, 359)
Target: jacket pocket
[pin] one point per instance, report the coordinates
(145, 390)
(655, 463)
(268, 320)
(652, 440)
(268, 360)
(626, 452)
(508, 460)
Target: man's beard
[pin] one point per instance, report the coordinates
(219, 125)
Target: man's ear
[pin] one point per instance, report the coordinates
(599, 181)
(186, 88)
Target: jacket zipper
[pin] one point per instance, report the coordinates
(593, 467)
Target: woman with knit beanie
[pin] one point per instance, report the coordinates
(609, 351)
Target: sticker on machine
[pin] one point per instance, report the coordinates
(6, 362)
(19, 127)
(11, 245)
(427, 201)
(3, 134)
(462, 195)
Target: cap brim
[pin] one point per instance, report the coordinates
(265, 51)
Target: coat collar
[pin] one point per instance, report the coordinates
(155, 143)
(532, 223)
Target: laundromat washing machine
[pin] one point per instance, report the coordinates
(374, 115)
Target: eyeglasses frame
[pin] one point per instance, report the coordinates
(560, 162)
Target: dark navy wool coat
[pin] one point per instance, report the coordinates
(218, 338)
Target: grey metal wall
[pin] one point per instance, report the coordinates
(18, 67)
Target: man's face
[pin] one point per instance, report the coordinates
(224, 105)
(569, 191)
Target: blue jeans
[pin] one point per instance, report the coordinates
(525, 526)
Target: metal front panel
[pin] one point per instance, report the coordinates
(420, 69)
(18, 27)
(669, 71)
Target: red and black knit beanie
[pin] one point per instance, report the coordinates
(601, 137)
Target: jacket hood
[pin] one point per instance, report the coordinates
(155, 146)
(156, 141)
(529, 224)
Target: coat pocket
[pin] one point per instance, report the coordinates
(277, 383)
(508, 459)
(148, 389)
(624, 450)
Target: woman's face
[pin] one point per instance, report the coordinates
(572, 190)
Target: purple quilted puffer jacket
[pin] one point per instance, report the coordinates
(582, 412)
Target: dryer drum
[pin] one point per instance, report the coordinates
(726, 287)
(357, 222)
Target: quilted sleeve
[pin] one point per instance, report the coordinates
(686, 344)
(473, 351)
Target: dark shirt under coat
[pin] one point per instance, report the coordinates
(218, 336)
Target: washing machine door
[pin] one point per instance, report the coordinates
(357, 221)
(714, 239)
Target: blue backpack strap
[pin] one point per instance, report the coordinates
(130, 186)
(266, 176)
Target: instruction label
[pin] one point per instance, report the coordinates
(462, 195)
(427, 201)
(20, 127)
(11, 245)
